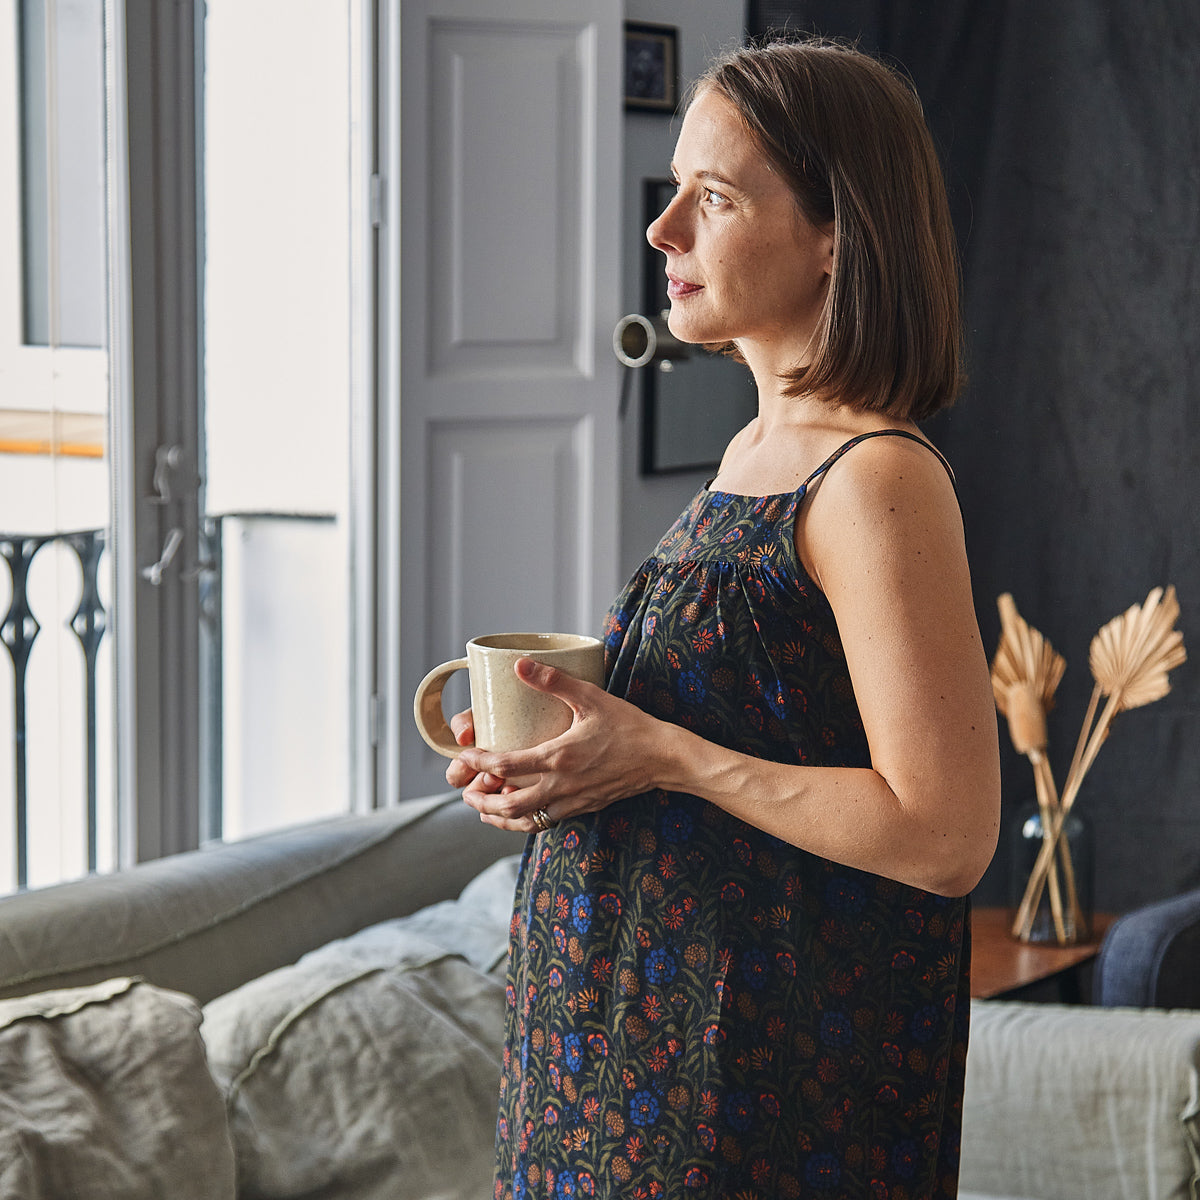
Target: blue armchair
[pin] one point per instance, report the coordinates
(1150, 957)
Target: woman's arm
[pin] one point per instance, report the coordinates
(885, 544)
(882, 536)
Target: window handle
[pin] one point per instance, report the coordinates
(166, 460)
(153, 574)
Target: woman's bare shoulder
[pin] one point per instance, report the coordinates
(886, 497)
(879, 471)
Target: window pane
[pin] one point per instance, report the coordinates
(57, 797)
(62, 171)
(281, 185)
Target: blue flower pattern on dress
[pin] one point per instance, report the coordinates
(696, 1009)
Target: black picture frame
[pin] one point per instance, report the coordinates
(651, 67)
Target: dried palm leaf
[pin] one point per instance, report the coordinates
(1132, 655)
(1024, 657)
(1026, 672)
(1026, 713)
(1130, 658)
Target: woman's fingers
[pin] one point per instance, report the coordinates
(508, 807)
(575, 693)
(581, 770)
(462, 725)
(460, 774)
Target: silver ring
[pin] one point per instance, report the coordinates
(541, 818)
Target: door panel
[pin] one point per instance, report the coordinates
(508, 298)
(508, 399)
(488, 506)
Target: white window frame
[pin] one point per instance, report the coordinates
(389, 706)
(154, 372)
(153, 338)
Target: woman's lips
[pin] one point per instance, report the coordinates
(678, 288)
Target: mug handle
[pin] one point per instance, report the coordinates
(427, 709)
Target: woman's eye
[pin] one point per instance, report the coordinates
(713, 198)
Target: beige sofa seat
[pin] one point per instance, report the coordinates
(1070, 1102)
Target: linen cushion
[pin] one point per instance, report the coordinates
(369, 1069)
(1077, 1103)
(105, 1094)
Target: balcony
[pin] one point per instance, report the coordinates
(275, 681)
(20, 631)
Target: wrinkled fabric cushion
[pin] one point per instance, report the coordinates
(105, 1094)
(369, 1069)
(1077, 1103)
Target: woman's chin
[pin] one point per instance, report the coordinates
(691, 331)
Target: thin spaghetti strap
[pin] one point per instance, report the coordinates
(862, 437)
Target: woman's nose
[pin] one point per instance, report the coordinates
(666, 230)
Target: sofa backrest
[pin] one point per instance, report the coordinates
(205, 922)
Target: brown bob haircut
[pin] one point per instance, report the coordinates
(847, 134)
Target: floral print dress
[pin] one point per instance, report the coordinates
(696, 1008)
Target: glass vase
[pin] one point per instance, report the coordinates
(1069, 920)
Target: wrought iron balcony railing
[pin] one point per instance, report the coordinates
(18, 631)
(265, 677)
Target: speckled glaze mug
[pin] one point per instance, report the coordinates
(508, 714)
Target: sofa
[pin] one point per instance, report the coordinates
(316, 1014)
(1094, 1101)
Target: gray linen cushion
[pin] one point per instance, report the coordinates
(105, 1094)
(369, 1069)
(1078, 1103)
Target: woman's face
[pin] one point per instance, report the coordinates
(743, 263)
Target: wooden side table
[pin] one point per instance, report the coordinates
(1000, 964)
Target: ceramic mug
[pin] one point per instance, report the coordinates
(508, 713)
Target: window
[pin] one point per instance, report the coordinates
(199, 665)
(284, 192)
(57, 795)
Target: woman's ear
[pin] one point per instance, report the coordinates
(828, 232)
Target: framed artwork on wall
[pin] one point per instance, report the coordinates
(651, 67)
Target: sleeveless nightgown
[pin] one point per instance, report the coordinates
(696, 1009)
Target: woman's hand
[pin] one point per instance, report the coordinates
(606, 755)
(458, 774)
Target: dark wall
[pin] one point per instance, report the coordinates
(1071, 137)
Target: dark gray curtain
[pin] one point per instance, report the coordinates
(1070, 133)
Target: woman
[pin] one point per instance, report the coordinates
(739, 953)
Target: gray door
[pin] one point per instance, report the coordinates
(507, 290)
